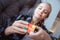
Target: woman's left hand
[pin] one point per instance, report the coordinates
(40, 35)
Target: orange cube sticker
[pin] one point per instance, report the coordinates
(30, 28)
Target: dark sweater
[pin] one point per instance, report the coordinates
(9, 21)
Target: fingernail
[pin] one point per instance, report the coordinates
(31, 33)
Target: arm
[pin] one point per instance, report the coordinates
(40, 35)
(16, 27)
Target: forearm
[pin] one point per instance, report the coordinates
(7, 31)
(43, 36)
(2, 34)
(47, 37)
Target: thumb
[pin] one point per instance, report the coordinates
(34, 34)
(37, 29)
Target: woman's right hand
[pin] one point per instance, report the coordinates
(16, 27)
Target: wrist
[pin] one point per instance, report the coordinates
(7, 31)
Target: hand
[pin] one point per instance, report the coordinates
(16, 27)
(40, 35)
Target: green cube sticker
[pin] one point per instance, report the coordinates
(25, 28)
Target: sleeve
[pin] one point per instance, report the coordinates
(5, 22)
(3, 25)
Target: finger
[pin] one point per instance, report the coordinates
(33, 34)
(19, 30)
(20, 25)
(39, 28)
(23, 22)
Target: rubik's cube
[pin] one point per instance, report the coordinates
(30, 28)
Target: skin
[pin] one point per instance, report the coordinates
(16, 27)
(41, 13)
